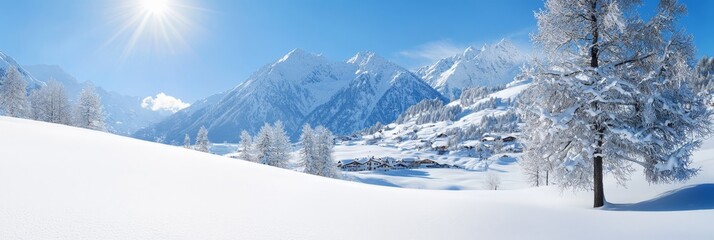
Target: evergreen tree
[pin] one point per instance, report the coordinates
(307, 157)
(50, 104)
(612, 92)
(263, 145)
(13, 95)
(202, 143)
(89, 113)
(324, 147)
(187, 141)
(281, 146)
(246, 146)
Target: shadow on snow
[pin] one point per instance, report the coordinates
(694, 197)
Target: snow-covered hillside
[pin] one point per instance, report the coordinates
(491, 65)
(124, 114)
(302, 87)
(103, 186)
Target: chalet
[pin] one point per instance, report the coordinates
(350, 165)
(441, 146)
(508, 139)
(426, 163)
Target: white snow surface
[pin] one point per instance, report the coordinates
(60, 182)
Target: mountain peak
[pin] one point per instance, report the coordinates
(365, 58)
(298, 55)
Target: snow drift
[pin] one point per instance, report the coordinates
(60, 182)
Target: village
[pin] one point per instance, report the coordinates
(388, 163)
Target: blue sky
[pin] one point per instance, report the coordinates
(224, 41)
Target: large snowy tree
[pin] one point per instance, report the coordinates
(613, 91)
(272, 146)
(89, 113)
(50, 104)
(202, 142)
(316, 153)
(13, 95)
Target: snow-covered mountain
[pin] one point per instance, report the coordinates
(6, 62)
(380, 91)
(297, 88)
(491, 65)
(124, 114)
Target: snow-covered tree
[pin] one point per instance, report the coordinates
(246, 146)
(611, 92)
(316, 154)
(187, 141)
(307, 153)
(89, 113)
(272, 146)
(50, 104)
(493, 182)
(324, 147)
(281, 146)
(202, 143)
(13, 95)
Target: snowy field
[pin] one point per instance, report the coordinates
(59, 182)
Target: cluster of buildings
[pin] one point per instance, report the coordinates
(387, 163)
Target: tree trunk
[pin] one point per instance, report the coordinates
(599, 192)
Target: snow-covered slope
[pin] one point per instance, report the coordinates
(6, 62)
(124, 114)
(103, 186)
(301, 87)
(491, 65)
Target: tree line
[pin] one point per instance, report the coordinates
(49, 103)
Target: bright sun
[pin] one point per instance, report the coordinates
(155, 25)
(155, 7)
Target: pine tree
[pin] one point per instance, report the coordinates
(281, 146)
(89, 113)
(263, 145)
(13, 95)
(187, 141)
(202, 143)
(246, 146)
(307, 157)
(50, 104)
(324, 147)
(612, 92)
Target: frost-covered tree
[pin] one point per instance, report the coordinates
(202, 143)
(13, 95)
(324, 147)
(307, 153)
(89, 113)
(316, 154)
(281, 146)
(246, 146)
(704, 82)
(187, 141)
(612, 92)
(272, 146)
(50, 104)
(493, 182)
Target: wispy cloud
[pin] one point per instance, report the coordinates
(433, 51)
(163, 102)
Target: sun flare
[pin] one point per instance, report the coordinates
(153, 26)
(155, 7)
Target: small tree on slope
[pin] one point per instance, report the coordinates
(613, 91)
(13, 95)
(187, 141)
(202, 143)
(246, 146)
(89, 113)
